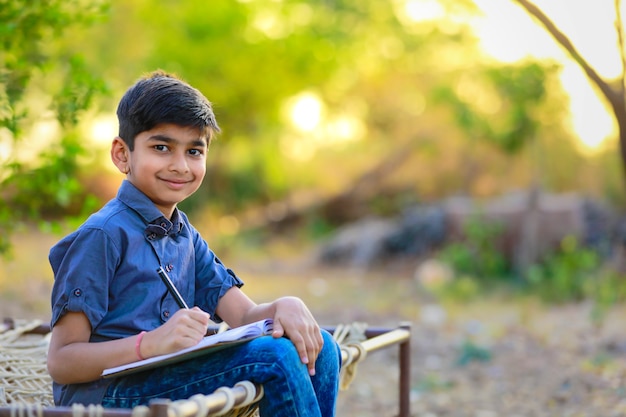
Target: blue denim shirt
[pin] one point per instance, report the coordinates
(107, 269)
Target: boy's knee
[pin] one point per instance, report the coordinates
(331, 351)
(330, 343)
(280, 350)
(283, 351)
(328, 338)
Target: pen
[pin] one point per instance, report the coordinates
(171, 288)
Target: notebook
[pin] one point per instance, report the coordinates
(207, 345)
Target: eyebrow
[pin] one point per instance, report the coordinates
(168, 139)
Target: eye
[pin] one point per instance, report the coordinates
(196, 152)
(160, 148)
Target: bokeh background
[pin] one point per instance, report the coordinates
(456, 164)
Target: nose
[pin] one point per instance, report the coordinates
(179, 163)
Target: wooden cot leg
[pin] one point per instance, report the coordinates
(405, 374)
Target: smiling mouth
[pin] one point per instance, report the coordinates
(176, 183)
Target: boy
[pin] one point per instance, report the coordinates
(109, 306)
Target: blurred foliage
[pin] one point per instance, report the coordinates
(565, 274)
(572, 273)
(576, 273)
(432, 382)
(470, 352)
(377, 83)
(390, 80)
(477, 254)
(37, 177)
(606, 287)
(463, 288)
(518, 88)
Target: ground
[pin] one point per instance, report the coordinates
(549, 363)
(483, 358)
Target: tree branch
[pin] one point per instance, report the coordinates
(612, 95)
(619, 28)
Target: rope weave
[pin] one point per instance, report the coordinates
(349, 337)
(23, 375)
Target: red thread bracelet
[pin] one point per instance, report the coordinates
(138, 345)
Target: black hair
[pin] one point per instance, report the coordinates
(161, 97)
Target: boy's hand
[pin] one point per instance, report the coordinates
(293, 319)
(184, 329)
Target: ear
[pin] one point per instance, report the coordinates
(120, 155)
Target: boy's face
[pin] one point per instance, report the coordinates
(168, 163)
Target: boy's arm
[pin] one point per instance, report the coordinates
(73, 359)
(291, 318)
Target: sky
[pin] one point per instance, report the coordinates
(509, 34)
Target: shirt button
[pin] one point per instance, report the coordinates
(166, 313)
(78, 292)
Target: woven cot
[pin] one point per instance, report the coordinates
(25, 386)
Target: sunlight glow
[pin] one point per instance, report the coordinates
(104, 129)
(507, 33)
(592, 122)
(306, 112)
(270, 24)
(6, 151)
(344, 129)
(313, 130)
(41, 135)
(6, 146)
(340, 130)
(418, 10)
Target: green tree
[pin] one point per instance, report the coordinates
(40, 83)
(519, 92)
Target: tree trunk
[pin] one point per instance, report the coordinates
(619, 109)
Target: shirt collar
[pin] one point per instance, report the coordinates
(157, 225)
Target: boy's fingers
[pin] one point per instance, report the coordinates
(308, 343)
(315, 348)
(278, 330)
(301, 347)
(302, 350)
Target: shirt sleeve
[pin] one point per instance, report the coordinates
(213, 279)
(83, 264)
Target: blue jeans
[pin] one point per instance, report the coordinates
(289, 390)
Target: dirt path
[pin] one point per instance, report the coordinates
(499, 363)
